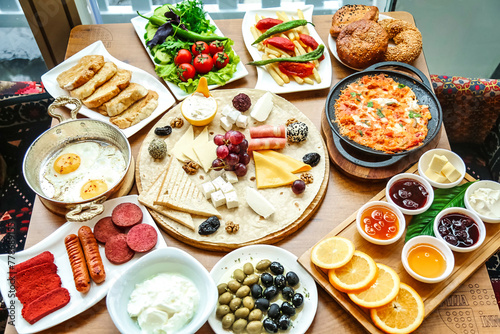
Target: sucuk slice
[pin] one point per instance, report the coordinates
(45, 304)
(105, 229)
(355, 276)
(332, 252)
(34, 261)
(24, 277)
(37, 287)
(126, 215)
(117, 251)
(142, 238)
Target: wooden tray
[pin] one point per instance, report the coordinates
(432, 294)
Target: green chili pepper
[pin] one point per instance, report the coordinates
(313, 55)
(280, 28)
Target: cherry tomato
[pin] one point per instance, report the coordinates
(199, 47)
(267, 23)
(183, 57)
(216, 46)
(299, 69)
(186, 71)
(203, 63)
(280, 43)
(220, 60)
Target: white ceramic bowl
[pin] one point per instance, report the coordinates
(392, 207)
(472, 188)
(422, 181)
(453, 158)
(165, 260)
(441, 245)
(471, 214)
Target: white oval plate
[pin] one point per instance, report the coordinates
(54, 243)
(237, 258)
(264, 80)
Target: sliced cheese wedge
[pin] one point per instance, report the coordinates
(287, 162)
(259, 203)
(206, 154)
(147, 198)
(178, 192)
(201, 139)
(269, 173)
(184, 144)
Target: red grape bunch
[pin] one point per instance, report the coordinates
(232, 152)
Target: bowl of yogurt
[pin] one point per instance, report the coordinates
(166, 291)
(483, 198)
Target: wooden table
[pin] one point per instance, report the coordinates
(343, 197)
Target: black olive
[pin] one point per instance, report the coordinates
(256, 291)
(262, 304)
(270, 292)
(292, 278)
(270, 326)
(280, 281)
(266, 279)
(287, 292)
(284, 322)
(164, 131)
(209, 226)
(277, 268)
(297, 299)
(312, 159)
(274, 311)
(288, 309)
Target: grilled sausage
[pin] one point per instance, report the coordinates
(77, 261)
(92, 255)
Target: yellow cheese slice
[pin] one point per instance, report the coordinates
(206, 154)
(184, 144)
(201, 139)
(270, 174)
(288, 163)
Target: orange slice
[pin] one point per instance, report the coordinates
(332, 252)
(356, 275)
(402, 315)
(380, 293)
(203, 87)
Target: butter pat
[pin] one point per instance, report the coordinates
(451, 173)
(218, 183)
(259, 203)
(218, 198)
(436, 177)
(232, 200)
(262, 107)
(437, 163)
(230, 176)
(207, 189)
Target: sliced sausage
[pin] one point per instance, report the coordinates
(104, 229)
(78, 265)
(92, 255)
(45, 304)
(142, 238)
(127, 215)
(34, 261)
(117, 251)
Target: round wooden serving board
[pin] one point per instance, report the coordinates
(267, 239)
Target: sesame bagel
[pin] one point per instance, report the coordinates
(407, 38)
(351, 13)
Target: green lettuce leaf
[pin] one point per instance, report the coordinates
(423, 224)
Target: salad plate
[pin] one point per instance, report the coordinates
(79, 302)
(264, 80)
(139, 24)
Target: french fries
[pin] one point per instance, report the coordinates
(270, 51)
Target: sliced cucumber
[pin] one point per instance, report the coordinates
(150, 31)
(161, 57)
(160, 11)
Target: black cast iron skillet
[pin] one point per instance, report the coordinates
(423, 92)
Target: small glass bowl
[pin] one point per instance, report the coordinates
(421, 180)
(393, 208)
(453, 158)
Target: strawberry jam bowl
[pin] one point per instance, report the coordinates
(380, 223)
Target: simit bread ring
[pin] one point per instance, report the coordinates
(362, 43)
(407, 38)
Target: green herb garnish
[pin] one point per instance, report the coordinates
(413, 114)
(366, 122)
(380, 113)
(360, 132)
(401, 85)
(370, 104)
(353, 94)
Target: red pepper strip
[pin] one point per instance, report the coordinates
(281, 43)
(310, 42)
(267, 23)
(299, 69)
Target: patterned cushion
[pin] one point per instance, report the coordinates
(470, 106)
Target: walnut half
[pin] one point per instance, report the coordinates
(191, 167)
(307, 178)
(232, 227)
(177, 122)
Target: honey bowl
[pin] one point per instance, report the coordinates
(427, 259)
(380, 223)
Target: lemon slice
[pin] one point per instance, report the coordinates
(332, 252)
(355, 276)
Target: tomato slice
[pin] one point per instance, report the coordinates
(267, 23)
(280, 43)
(299, 69)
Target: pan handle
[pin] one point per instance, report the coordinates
(413, 69)
(64, 101)
(86, 211)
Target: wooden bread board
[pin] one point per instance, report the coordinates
(432, 294)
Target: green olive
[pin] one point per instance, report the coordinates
(239, 325)
(251, 279)
(248, 302)
(263, 265)
(233, 285)
(227, 320)
(235, 304)
(222, 310)
(225, 298)
(248, 268)
(243, 291)
(255, 314)
(239, 275)
(241, 313)
(222, 288)
(254, 327)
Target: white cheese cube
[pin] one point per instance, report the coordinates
(259, 203)
(218, 198)
(233, 115)
(207, 189)
(225, 111)
(451, 173)
(262, 107)
(218, 183)
(225, 123)
(436, 177)
(230, 176)
(227, 188)
(438, 162)
(242, 121)
(232, 200)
